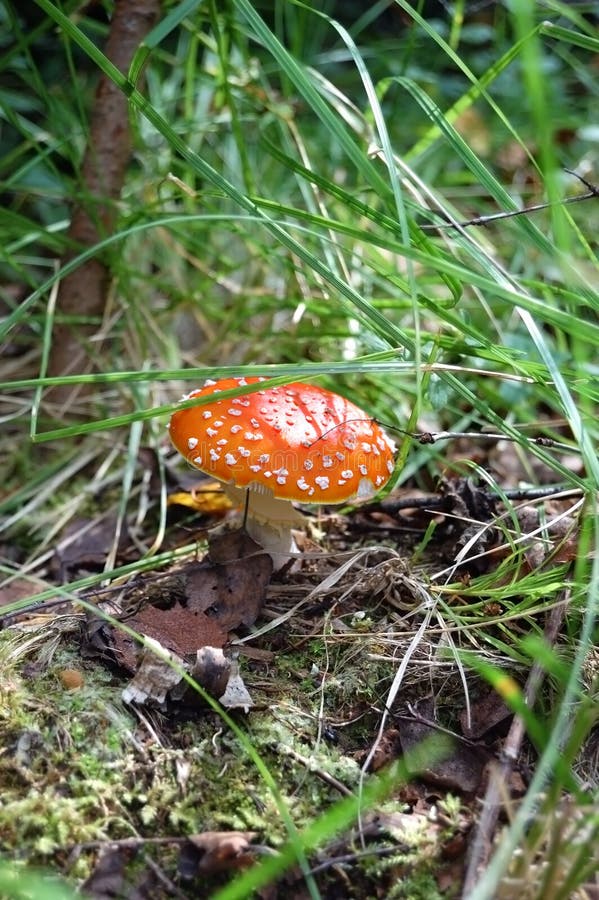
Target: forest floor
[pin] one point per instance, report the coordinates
(121, 774)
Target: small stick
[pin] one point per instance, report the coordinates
(445, 503)
(163, 878)
(328, 779)
(593, 191)
(433, 437)
(481, 844)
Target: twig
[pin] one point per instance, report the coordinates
(593, 191)
(354, 857)
(481, 844)
(444, 503)
(163, 878)
(433, 437)
(309, 764)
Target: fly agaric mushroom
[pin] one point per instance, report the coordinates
(296, 442)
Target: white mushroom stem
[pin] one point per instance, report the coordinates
(270, 520)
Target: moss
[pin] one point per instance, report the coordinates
(79, 768)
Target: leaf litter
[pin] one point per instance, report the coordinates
(222, 618)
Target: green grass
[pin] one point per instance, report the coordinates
(277, 218)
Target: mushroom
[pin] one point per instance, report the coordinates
(296, 442)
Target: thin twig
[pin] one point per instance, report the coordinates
(354, 857)
(309, 764)
(445, 503)
(593, 191)
(163, 878)
(481, 843)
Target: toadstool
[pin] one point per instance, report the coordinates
(296, 442)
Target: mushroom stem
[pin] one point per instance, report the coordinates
(269, 520)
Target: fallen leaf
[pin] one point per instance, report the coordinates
(207, 498)
(216, 851)
(189, 616)
(388, 748)
(485, 713)
(85, 544)
(17, 589)
(108, 877)
(231, 584)
(180, 628)
(461, 767)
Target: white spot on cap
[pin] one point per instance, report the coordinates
(327, 462)
(214, 455)
(211, 432)
(256, 468)
(264, 458)
(281, 471)
(303, 484)
(243, 451)
(209, 382)
(350, 442)
(241, 382)
(363, 470)
(267, 474)
(340, 456)
(347, 473)
(222, 443)
(230, 459)
(254, 423)
(281, 479)
(198, 460)
(235, 429)
(192, 443)
(206, 414)
(235, 412)
(218, 423)
(341, 482)
(390, 466)
(379, 480)
(253, 436)
(308, 464)
(322, 482)
(366, 447)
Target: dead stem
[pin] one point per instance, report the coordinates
(481, 843)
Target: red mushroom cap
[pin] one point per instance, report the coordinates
(300, 441)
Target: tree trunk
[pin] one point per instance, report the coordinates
(84, 291)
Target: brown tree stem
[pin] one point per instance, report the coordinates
(83, 292)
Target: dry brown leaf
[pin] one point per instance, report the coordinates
(485, 713)
(461, 770)
(216, 851)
